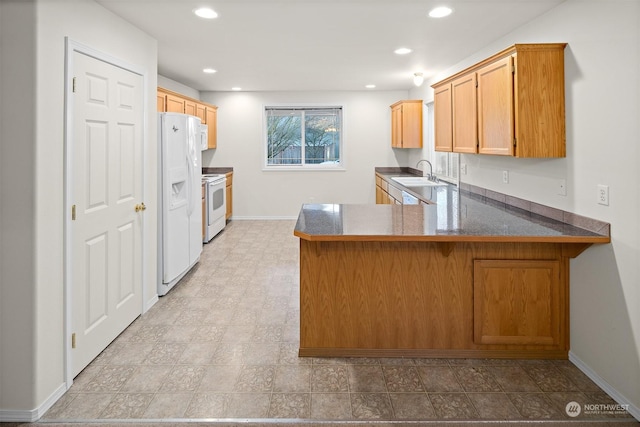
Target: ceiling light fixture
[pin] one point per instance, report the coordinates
(206, 13)
(209, 70)
(236, 88)
(418, 79)
(440, 12)
(402, 51)
(370, 86)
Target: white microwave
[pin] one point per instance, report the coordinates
(204, 137)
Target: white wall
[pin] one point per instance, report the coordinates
(33, 153)
(17, 204)
(602, 75)
(167, 83)
(258, 193)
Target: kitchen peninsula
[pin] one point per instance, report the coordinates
(466, 276)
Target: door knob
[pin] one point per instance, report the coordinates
(140, 207)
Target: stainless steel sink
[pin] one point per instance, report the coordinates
(416, 181)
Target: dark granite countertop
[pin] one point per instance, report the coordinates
(221, 170)
(456, 215)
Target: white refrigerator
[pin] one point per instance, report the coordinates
(180, 199)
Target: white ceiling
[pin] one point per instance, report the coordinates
(281, 45)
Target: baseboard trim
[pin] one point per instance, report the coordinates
(263, 218)
(150, 303)
(604, 385)
(14, 415)
(431, 353)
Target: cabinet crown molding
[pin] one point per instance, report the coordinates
(518, 47)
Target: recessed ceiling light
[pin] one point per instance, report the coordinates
(440, 12)
(236, 88)
(209, 70)
(206, 13)
(402, 51)
(370, 86)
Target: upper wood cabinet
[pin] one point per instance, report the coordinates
(443, 118)
(518, 104)
(162, 102)
(406, 124)
(495, 108)
(172, 102)
(211, 119)
(464, 114)
(190, 107)
(200, 112)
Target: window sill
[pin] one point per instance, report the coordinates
(303, 169)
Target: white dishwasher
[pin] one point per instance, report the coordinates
(216, 205)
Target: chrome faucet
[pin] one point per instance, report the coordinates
(430, 176)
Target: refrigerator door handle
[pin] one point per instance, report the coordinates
(189, 186)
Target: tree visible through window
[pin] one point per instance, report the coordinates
(303, 136)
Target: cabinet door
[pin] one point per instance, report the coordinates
(175, 104)
(211, 119)
(442, 117)
(396, 126)
(412, 124)
(517, 302)
(162, 102)
(495, 108)
(190, 107)
(201, 112)
(465, 124)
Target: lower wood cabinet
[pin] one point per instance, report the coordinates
(449, 299)
(517, 302)
(382, 193)
(229, 195)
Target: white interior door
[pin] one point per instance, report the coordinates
(106, 191)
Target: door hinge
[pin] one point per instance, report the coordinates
(73, 213)
(73, 85)
(514, 142)
(73, 340)
(513, 69)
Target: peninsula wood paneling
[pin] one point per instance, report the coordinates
(411, 299)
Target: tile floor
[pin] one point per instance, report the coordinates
(223, 345)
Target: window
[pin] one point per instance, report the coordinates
(445, 164)
(303, 137)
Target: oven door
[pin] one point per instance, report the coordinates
(216, 209)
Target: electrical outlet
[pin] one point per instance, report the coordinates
(505, 177)
(463, 168)
(562, 187)
(603, 194)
